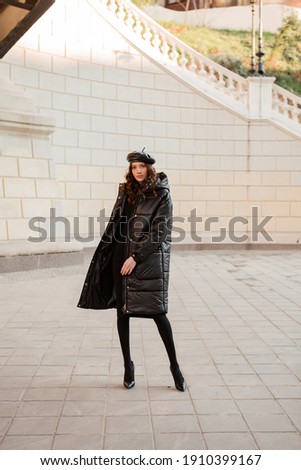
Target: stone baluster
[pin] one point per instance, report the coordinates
(156, 41)
(147, 35)
(222, 81)
(231, 89)
(138, 28)
(218, 83)
(243, 92)
(193, 65)
(212, 75)
(286, 107)
(202, 73)
(121, 13)
(130, 19)
(183, 61)
(299, 113)
(277, 103)
(112, 6)
(296, 112)
(165, 47)
(238, 92)
(174, 53)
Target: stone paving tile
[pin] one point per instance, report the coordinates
(269, 423)
(176, 423)
(8, 409)
(27, 443)
(80, 425)
(296, 419)
(4, 425)
(278, 440)
(33, 426)
(39, 408)
(237, 328)
(216, 407)
(75, 442)
(259, 407)
(230, 440)
(129, 441)
(50, 382)
(124, 424)
(165, 407)
(178, 441)
(83, 408)
(291, 407)
(11, 394)
(45, 394)
(127, 408)
(222, 423)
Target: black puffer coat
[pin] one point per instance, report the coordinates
(145, 290)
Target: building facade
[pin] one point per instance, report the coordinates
(77, 96)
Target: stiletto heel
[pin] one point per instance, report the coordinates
(179, 379)
(129, 375)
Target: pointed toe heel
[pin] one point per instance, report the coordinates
(179, 379)
(129, 376)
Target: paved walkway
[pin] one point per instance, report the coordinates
(237, 326)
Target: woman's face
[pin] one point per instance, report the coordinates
(139, 171)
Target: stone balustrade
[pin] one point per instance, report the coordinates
(197, 70)
(287, 104)
(170, 51)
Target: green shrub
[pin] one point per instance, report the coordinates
(143, 3)
(287, 45)
(232, 49)
(231, 62)
(288, 81)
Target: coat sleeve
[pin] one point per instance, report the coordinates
(160, 230)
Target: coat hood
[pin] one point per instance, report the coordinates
(162, 181)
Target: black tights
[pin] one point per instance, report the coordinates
(164, 328)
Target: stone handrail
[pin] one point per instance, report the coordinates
(206, 73)
(287, 104)
(192, 67)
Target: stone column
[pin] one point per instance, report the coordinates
(260, 97)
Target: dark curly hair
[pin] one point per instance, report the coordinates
(134, 189)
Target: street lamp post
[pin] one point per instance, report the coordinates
(260, 52)
(253, 60)
(260, 86)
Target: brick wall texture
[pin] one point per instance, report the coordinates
(108, 99)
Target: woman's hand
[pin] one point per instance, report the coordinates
(128, 266)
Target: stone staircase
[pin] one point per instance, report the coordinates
(252, 98)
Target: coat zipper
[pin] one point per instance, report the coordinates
(125, 306)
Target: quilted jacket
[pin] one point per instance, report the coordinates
(145, 290)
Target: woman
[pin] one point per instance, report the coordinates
(130, 267)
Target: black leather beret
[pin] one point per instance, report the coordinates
(140, 157)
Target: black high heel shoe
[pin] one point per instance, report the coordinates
(179, 379)
(129, 375)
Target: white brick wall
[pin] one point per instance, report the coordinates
(3, 230)
(13, 145)
(19, 188)
(8, 166)
(36, 207)
(18, 229)
(10, 208)
(33, 168)
(47, 188)
(107, 100)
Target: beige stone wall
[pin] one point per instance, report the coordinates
(108, 99)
